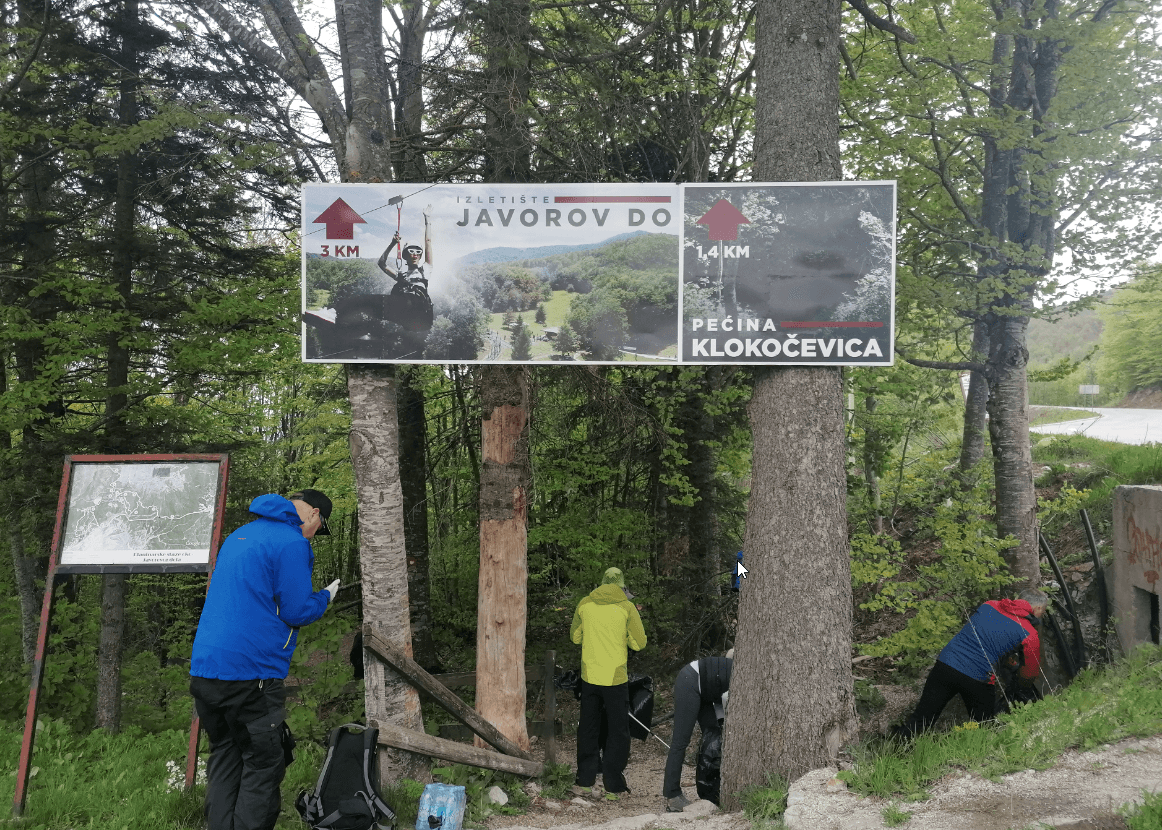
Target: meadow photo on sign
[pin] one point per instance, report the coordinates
(490, 273)
(140, 516)
(788, 273)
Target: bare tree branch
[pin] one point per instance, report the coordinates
(881, 23)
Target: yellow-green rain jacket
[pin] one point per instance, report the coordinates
(605, 623)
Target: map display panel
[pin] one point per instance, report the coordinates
(147, 516)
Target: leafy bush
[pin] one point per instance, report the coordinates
(323, 674)
(1147, 815)
(120, 782)
(966, 567)
(476, 782)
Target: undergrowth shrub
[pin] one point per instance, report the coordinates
(965, 566)
(1100, 706)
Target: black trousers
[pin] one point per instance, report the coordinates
(243, 719)
(943, 684)
(613, 702)
(688, 710)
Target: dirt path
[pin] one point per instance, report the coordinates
(1083, 791)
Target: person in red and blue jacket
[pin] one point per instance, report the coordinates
(998, 632)
(259, 595)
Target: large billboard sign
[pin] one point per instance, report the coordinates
(782, 274)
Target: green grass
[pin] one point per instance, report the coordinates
(764, 806)
(1039, 415)
(113, 782)
(1147, 815)
(893, 816)
(1099, 707)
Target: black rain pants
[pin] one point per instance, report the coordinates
(613, 702)
(943, 684)
(243, 719)
(689, 708)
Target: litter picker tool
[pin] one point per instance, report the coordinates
(643, 726)
(398, 202)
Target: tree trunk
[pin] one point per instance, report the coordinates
(972, 442)
(111, 643)
(411, 164)
(414, 483)
(504, 472)
(502, 608)
(792, 702)
(109, 650)
(382, 558)
(507, 141)
(1008, 407)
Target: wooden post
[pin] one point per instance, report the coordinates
(415, 674)
(424, 744)
(550, 708)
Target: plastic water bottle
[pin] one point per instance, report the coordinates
(441, 807)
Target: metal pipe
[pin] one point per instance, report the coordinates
(1069, 609)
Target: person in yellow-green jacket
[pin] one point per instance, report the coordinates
(605, 624)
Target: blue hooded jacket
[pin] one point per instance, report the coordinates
(259, 595)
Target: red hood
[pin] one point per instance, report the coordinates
(1018, 608)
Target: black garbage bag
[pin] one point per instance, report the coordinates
(569, 681)
(641, 705)
(708, 773)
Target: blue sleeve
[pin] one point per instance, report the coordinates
(297, 604)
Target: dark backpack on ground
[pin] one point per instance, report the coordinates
(346, 796)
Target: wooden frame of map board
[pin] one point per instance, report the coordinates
(127, 536)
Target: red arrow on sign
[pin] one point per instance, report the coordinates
(340, 220)
(722, 221)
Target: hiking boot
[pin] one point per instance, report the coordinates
(677, 804)
(584, 792)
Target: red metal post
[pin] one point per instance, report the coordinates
(26, 745)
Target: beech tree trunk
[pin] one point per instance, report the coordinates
(388, 698)
(1008, 408)
(414, 484)
(792, 702)
(972, 442)
(502, 599)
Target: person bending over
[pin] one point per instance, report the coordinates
(700, 693)
(998, 632)
(259, 595)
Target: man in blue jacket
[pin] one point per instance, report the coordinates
(1000, 633)
(259, 595)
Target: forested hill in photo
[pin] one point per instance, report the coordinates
(508, 254)
(624, 291)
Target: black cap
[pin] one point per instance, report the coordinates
(316, 499)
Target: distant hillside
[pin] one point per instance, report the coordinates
(1071, 337)
(489, 255)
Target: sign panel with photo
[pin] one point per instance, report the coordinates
(788, 273)
(490, 273)
(601, 273)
